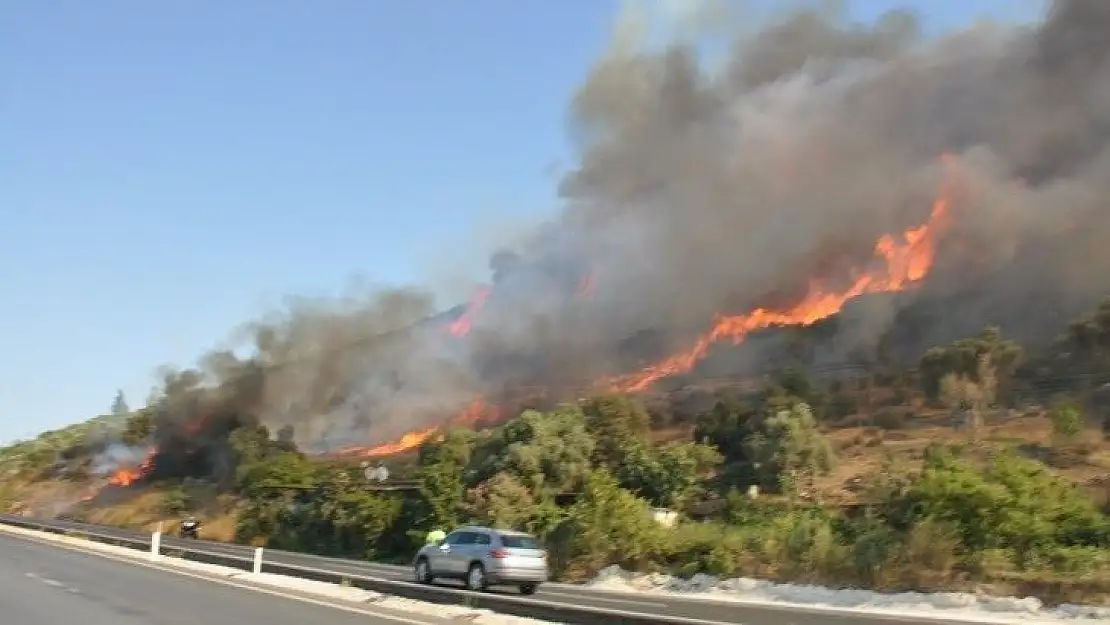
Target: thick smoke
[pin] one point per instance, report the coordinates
(700, 191)
(115, 455)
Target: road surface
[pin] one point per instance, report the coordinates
(44, 584)
(719, 611)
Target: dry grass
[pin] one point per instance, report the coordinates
(863, 451)
(145, 512)
(221, 527)
(138, 508)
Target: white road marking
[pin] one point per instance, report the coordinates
(265, 591)
(52, 582)
(654, 602)
(77, 545)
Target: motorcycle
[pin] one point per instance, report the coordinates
(190, 529)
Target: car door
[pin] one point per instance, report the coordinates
(463, 553)
(480, 549)
(460, 553)
(441, 558)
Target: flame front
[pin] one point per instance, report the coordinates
(127, 476)
(461, 327)
(903, 264)
(411, 440)
(478, 410)
(900, 262)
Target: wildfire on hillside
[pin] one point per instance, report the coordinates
(478, 411)
(900, 262)
(716, 205)
(461, 327)
(125, 476)
(901, 265)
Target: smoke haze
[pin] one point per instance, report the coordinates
(700, 191)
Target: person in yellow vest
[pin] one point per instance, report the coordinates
(435, 536)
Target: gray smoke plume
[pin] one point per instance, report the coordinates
(703, 190)
(114, 456)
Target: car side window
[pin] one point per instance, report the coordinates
(465, 538)
(481, 539)
(454, 537)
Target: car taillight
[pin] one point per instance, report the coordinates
(499, 553)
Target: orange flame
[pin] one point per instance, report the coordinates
(476, 411)
(461, 327)
(127, 476)
(903, 264)
(411, 440)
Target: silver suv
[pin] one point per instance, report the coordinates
(484, 557)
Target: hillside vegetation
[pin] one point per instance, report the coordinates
(982, 466)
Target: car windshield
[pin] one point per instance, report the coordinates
(519, 542)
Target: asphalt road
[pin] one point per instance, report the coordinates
(43, 584)
(719, 611)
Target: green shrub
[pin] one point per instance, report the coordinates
(175, 501)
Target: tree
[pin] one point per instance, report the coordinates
(726, 426)
(1067, 421)
(666, 476)
(503, 501)
(441, 476)
(789, 449)
(517, 475)
(286, 438)
(119, 405)
(969, 399)
(963, 358)
(1015, 504)
(271, 486)
(175, 501)
(250, 444)
(793, 385)
(456, 447)
(1087, 340)
(138, 428)
(337, 518)
(444, 494)
(364, 520)
(616, 422)
(607, 524)
(548, 453)
(277, 476)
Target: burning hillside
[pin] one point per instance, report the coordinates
(900, 264)
(128, 475)
(773, 191)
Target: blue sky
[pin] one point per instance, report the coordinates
(171, 169)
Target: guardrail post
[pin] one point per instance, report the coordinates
(155, 545)
(257, 560)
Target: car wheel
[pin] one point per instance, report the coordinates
(476, 578)
(528, 589)
(422, 572)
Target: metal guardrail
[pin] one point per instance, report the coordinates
(504, 604)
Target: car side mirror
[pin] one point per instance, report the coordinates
(443, 546)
